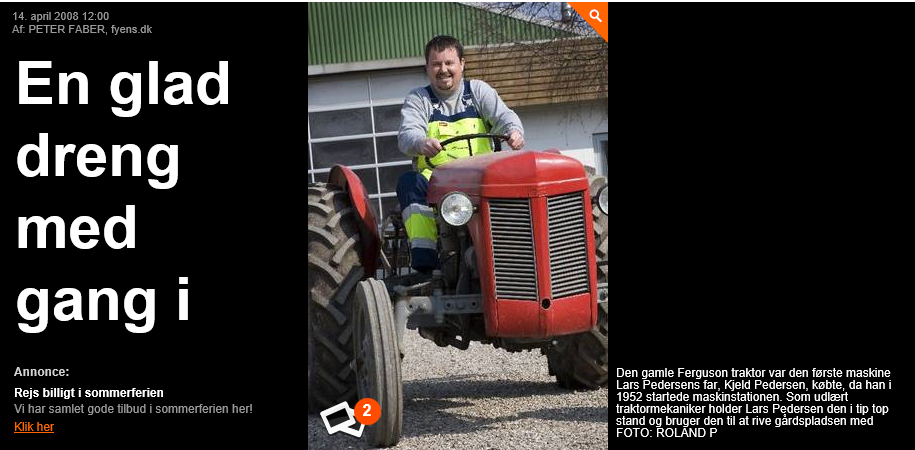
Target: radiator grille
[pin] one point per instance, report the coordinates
(513, 249)
(568, 245)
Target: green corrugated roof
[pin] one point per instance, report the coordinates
(352, 32)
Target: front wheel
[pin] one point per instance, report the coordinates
(378, 361)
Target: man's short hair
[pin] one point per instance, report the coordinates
(440, 43)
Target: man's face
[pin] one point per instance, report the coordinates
(445, 70)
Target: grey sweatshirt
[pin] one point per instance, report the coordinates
(417, 108)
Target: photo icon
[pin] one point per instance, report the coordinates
(338, 417)
(354, 429)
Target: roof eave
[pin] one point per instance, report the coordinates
(360, 66)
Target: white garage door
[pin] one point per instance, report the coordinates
(353, 120)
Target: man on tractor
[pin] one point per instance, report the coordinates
(449, 106)
(518, 242)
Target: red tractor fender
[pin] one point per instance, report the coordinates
(344, 177)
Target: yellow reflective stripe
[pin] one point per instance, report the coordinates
(420, 226)
(416, 208)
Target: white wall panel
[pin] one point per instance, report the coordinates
(337, 89)
(392, 85)
(564, 126)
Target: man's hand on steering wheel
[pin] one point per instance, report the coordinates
(429, 147)
(515, 140)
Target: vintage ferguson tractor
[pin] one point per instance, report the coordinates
(523, 265)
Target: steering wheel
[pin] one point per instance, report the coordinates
(468, 137)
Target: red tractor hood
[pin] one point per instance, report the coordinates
(508, 174)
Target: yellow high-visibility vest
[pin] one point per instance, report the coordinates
(444, 127)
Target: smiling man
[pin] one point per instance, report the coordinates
(449, 106)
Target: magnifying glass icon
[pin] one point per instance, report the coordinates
(595, 15)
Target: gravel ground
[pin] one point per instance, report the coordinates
(484, 398)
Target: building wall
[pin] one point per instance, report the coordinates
(353, 120)
(543, 73)
(570, 127)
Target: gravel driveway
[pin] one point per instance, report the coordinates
(484, 398)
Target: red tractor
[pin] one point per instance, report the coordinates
(523, 265)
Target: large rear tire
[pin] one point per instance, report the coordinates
(334, 269)
(581, 361)
(378, 373)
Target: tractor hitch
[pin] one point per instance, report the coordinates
(430, 311)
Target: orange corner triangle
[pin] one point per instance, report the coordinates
(595, 13)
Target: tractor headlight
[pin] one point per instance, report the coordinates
(602, 200)
(456, 209)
